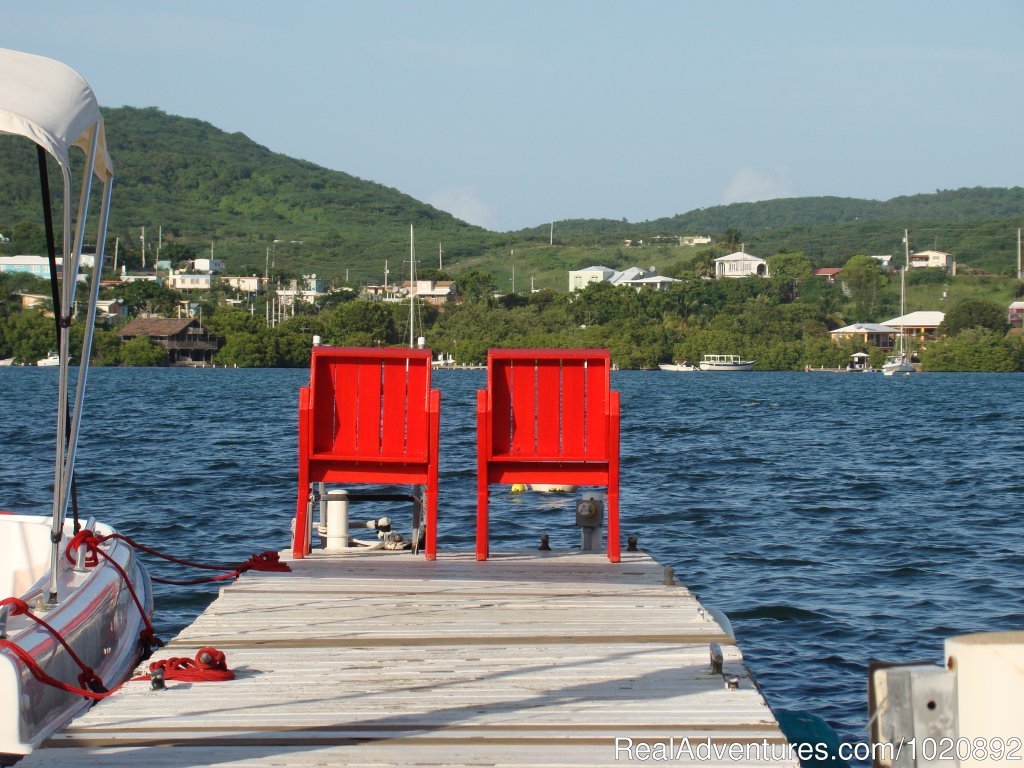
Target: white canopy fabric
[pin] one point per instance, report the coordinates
(49, 103)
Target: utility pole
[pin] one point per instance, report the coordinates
(440, 260)
(142, 239)
(1020, 274)
(551, 235)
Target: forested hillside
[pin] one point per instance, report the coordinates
(208, 188)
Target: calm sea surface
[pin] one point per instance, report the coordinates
(834, 518)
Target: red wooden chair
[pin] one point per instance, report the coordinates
(548, 416)
(368, 416)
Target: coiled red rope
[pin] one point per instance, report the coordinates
(209, 665)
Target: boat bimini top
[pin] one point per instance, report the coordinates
(50, 104)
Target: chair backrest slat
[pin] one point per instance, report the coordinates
(598, 383)
(550, 403)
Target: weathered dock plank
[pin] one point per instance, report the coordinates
(527, 659)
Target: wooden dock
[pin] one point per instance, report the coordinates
(527, 659)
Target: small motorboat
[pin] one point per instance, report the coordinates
(75, 612)
(682, 367)
(51, 358)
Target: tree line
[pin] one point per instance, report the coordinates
(782, 322)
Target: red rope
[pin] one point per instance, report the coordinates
(209, 665)
(41, 676)
(87, 677)
(264, 561)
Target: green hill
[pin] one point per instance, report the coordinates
(203, 186)
(206, 187)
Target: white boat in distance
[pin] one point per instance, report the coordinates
(52, 358)
(725, 363)
(85, 597)
(683, 367)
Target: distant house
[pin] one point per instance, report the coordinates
(634, 277)
(740, 264)
(657, 282)
(432, 291)
(1016, 314)
(922, 259)
(829, 273)
(873, 334)
(36, 301)
(188, 281)
(208, 265)
(186, 341)
(884, 261)
(581, 278)
(922, 325)
(245, 283)
(110, 310)
(694, 240)
(33, 265)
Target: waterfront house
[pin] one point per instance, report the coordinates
(186, 341)
(922, 325)
(872, 334)
(740, 264)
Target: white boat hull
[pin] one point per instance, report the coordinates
(894, 367)
(95, 614)
(741, 366)
(678, 367)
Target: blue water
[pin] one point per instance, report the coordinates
(834, 518)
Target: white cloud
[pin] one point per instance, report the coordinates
(463, 203)
(749, 185)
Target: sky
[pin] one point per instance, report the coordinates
(511, 114)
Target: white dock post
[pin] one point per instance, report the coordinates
(989, 668)
(337, 521)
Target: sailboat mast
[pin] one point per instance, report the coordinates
(903, 290)
(412, 289)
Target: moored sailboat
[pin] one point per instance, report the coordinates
(899, 363)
